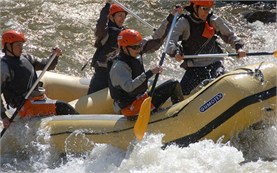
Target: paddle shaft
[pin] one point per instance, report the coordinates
(144, 113)
(133, 14)
(222, 55)
(164, 53)
(30, 91)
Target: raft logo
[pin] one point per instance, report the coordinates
(211, 102)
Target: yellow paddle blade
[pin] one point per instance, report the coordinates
(275, 53)
(143, 119)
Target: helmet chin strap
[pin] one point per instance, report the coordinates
(7, 50)
(129, 52)
(131, 55)
(197, 11)
(113, 20)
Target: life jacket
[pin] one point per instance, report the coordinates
(22, 79)
(38, 106)
(202, 39)
(134, 108)
(107, 46)
(120, 96)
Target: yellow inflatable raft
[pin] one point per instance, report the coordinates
(224, 107)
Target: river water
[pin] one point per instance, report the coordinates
(70, 25)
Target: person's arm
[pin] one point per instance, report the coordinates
(163, 29)
(5, 75)
(121, 75)
(40, 63)
(226, 32)
(181, 29)
(154, 43)
(101, 24)
(228, 35)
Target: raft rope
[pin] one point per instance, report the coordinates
(257, 72)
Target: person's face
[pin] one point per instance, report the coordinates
(134, 50)
(16, 48)
(203, 12)
(119, 18)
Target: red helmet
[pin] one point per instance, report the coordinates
(206, 3)
(129, 37)
(12, 36)
(115, 9)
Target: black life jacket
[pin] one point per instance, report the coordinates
(110, 47)
(122, 97)
(196, 43)
(22, 79)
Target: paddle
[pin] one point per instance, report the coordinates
(222, 55)
(30, 91)
(133, 14)
(144, 113)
